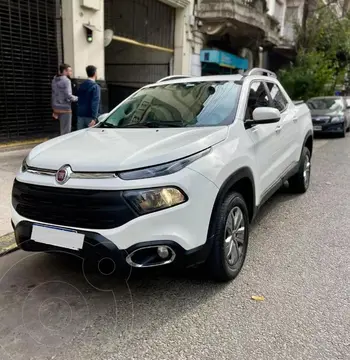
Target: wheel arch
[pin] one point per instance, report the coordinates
(242, 181)
(308, 142)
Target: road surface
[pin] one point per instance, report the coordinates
(298, 259)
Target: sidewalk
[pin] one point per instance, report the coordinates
(10, 161)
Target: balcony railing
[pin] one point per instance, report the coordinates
(246, 16)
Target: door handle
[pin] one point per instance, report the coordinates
(278, 129)
(295, 119)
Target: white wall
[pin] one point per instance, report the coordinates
(188, 42)
(77, 51)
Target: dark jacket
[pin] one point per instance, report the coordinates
(74, 83)
(62, 96)
(89, 95)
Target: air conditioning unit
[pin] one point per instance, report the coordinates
(91, 4)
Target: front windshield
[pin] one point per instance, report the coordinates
(331, 104)
(178, 105)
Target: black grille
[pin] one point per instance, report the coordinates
(92, 209)
(28, 62)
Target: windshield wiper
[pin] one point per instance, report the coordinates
(154, 124)
(147, 124)
(107, 125)
(170, 124)
(138, 125)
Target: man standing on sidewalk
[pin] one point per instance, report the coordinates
(89, 94)
(62, 98)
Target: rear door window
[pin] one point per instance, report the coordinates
(258, 97)
(279, 101)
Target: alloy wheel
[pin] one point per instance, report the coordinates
(307, 171)
(234, 237)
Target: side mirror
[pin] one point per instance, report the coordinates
(264, 115)
(102, 117)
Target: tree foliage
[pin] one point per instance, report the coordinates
(323, 54)
(308, 77)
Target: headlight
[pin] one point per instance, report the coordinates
(163, 169)
(337, 119)
(149, 200)
(24, 166)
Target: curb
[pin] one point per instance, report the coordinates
(8, 250)
(16, 144)
(7, 244)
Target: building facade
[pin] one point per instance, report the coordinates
(132, 43)
(146, 40)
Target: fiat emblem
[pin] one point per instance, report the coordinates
(63, 174)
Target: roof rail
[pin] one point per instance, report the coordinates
(173, 77)
(260, 71)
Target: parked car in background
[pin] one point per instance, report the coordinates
(330, 114)
(174, 174)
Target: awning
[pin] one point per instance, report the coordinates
(223, 59)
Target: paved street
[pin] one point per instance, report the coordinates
(298, 259)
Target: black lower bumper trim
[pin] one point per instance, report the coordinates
(337, 127)
(97, 245)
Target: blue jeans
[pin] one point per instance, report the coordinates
(83, 122)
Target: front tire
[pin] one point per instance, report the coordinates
(230, 232)
(344, 131)
(299, 183)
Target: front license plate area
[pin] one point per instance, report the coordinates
(317, 128)
(56, 236)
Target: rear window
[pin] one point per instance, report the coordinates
(178, 105)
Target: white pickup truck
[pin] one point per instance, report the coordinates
(174, 174)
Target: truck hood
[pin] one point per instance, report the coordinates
(107, 150)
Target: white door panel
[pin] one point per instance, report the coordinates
(288, 140)
(267, 151)
(266, 138)
(289, 127)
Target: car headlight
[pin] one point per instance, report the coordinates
(337, 119)
(163, 169)
(24, 166)
(145, 201)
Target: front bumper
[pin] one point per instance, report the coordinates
(183, 227)
(98, 247)
(328, 127)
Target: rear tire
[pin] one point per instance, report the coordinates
(230, 232)
(299, 183)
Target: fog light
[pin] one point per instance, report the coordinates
(163, 252)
